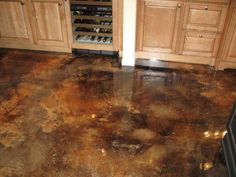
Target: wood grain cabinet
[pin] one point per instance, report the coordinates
(231, 50)
(227, 56)
(181, 31)
(34, 24)
(204, 16)
(203, 25)
(158, 24)
(199, 43)
(49, 23)
(14, 24)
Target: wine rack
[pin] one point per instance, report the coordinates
(92, 22)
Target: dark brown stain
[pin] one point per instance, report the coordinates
(81, 116)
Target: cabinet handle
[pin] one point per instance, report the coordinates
(22, 3)
(200, 36)
(179, 5)
(206, 8)
(60, 4)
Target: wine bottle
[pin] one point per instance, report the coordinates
(99, 39)
(93, 37)
(96, 38)
(104, 39)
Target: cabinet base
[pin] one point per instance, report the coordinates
(113, 54)
(34, 47)
(226, 65)
(175, 58)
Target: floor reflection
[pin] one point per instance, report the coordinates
(81, 116)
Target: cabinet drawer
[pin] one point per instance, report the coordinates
(199, 44)
(207, 17)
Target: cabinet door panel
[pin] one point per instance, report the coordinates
(13, 22)
(205, 17)
(198, 17)
(160, 26)
(232, 47)
(158, 29)
(200, 44)
(228, 52)
(49, 23)
(232, 51)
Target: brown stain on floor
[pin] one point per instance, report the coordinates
(67, 116)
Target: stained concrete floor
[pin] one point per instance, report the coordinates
(65, 116)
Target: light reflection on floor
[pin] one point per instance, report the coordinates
(82, 117)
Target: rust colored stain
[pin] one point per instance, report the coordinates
(66, 116)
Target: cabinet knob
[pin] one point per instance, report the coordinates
(60, 4)
(179, 5)
(200, 36)
(22, 3)
(206, 8)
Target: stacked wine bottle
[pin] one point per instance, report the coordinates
(92, 21)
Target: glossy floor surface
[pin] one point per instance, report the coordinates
(65, 116)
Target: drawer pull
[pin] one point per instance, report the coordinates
(206, 8)
(200, 36)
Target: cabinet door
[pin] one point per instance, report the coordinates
(48, 21)
(14, 24)
(158, 25)
(207, 17)
(199, 44)
(231, 40)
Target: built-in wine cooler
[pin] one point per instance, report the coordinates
(92, 23)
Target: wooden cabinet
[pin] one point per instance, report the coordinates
(48, 23)
(14, 24)
(199, 43)
(202, 27)
(34, 24)
(232, 49)
(158, 24)
(182, 31)
(207, 17)
(227, 56)
(230, 52)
